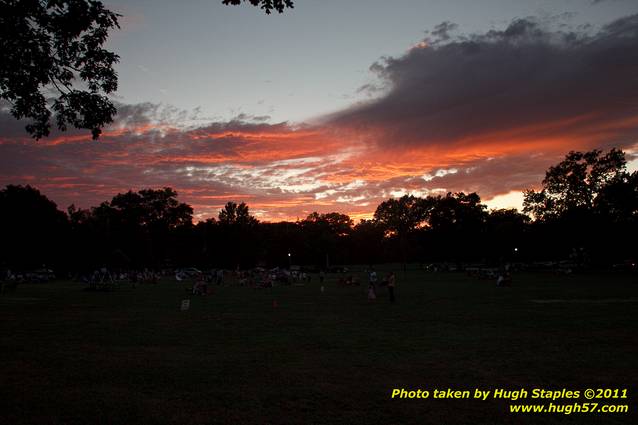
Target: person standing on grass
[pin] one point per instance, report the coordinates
(391, 284)
(372, 278)
(372, 295)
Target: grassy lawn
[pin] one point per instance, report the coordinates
(129, 356)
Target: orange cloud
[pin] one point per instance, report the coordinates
(486, 112)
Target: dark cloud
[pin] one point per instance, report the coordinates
(442, 31)
(251, 118)
(523, 76)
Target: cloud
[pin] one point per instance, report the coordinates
(481, 112)
(274, 167)
(442, 31)
(526, 80)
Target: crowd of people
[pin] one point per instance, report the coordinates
(260, 278)
(202, 282)
(256, 278)
(107, 279)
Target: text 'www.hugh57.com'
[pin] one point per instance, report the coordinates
(556, 401)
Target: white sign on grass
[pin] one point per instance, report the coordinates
(186, 304)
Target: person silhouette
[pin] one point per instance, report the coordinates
(371, 293)
(391, 285)
(372, 277)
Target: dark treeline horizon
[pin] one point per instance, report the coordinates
(587, 208)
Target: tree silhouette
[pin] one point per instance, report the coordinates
(367, 241)
(575, 183)
(32, 228)
(237, 234)
(455, 211)
(137, 225)
(158, 208)
(334, 223)
(588, 203)
(618, 200)
(267, 5)
(323, 233)
(234, 214)
(506, 231)
(47, 46)
(401, 215)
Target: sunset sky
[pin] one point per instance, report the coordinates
(338, 105)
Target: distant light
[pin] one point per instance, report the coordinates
(288, 254)
(515, 249)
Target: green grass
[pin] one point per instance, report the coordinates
(130, 356)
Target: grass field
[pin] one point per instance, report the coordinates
(70, 356)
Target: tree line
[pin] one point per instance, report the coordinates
(588, 202)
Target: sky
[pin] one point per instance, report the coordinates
(338, 105)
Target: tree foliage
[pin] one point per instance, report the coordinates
(401, 215)
(460, 211)
(31, 227)
(152, 208)
(576, 183)
(331, 223)
(267, 5)
(234, 214)
(53, 62)
(324, 235)
(619, 199)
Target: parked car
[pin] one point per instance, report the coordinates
(186, 273)
(39, 275)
